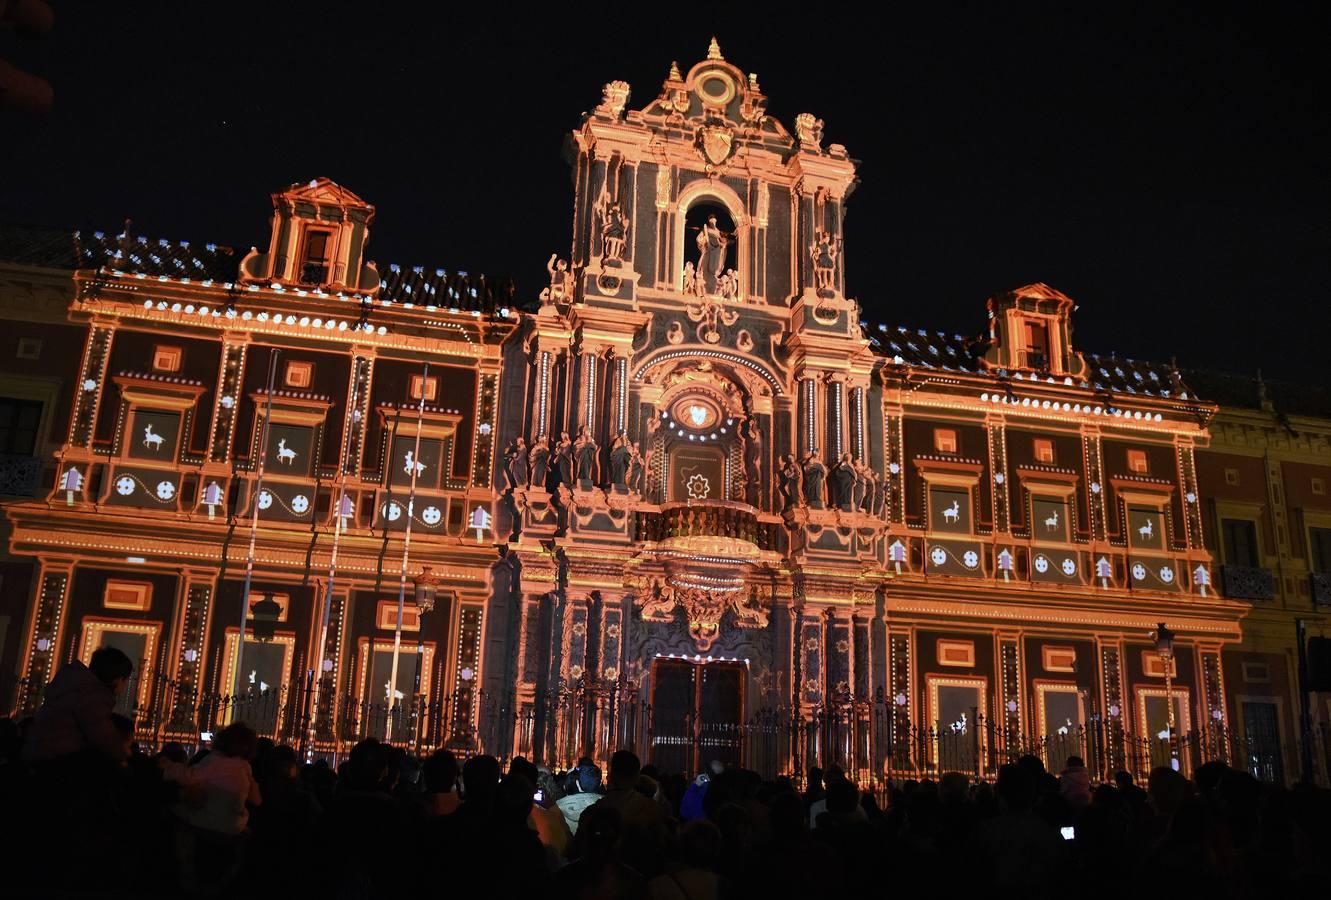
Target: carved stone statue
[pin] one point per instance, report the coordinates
(843, 483)
(614, 97)
(558, 270)
(728, 286)
(790, 483)
(712, 244)
(515, 464)
(880, 496)
(637, 469)
(539, 463)
(870, 487)
(753, 461)
(815, 473)
(564, 459)
(620, 459)
(690, 279)
(809, 131)
(586, 452)
(614, 230)
(861, 485)
(824, 250)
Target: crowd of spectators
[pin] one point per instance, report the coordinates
(90, 814)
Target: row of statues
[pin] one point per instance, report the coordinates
(851, 485)
(573, 462)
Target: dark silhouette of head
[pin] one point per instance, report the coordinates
(588, 778)
(520, 766)
(236, 739)
(700, 844)
(366, 767)
(440, 772)
(625, 769)
(480, 780)
(112, 667)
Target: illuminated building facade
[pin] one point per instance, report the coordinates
(687, 500)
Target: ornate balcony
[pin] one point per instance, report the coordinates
(708, 519)
(1248, 583)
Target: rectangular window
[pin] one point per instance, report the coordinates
(1044, 451)
(29, 348)
(314, 260)
(1256, 673)
(1037, 345)
(956, 653)
(1319, 486)
(133, 595)
(1137, 462)
(1059, 659)
(299, 374)
(1153, 665)
(431, 388)
(386, 616)
(945, 440)
(166, 359)
(18, 426)
(1232, 477)
(1319, 546)
(1240, 539)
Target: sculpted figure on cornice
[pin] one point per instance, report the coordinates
(825, 250)
(564, 459)
(637, 469)
(791, 483)
(557, 291)
(843, 478)
(815, 474)
(620, 459)
(587, 455)
(538, 457)
(515, 464)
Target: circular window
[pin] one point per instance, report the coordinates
(716, 88)
(694, 413)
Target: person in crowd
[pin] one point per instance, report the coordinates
(694, 875)
(691, 807)
(545, 817)
(1074, 783)
(440, 774)
(75, 716)
(214, 810)
(597, 872)
(586, 783)
(642, 840)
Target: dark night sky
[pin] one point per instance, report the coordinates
(1167, 168)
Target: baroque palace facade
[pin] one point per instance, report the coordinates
(686, 500)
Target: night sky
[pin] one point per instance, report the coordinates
(1167, 168)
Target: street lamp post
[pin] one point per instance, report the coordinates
(1164, 645)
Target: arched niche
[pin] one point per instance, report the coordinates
(692, 208)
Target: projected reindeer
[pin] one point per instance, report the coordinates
(411, 463)
(1147, 531)
(1051, 523)
(151, 439)
(285, 455)
(952, 513)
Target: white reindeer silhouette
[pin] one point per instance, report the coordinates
(959, 726)
(1147, 531)
(150, 439)
(953, 512)
(284, 454)
(388, 691)
(410, 462)
(1051, 523)
(1063, 729)
(263, 685)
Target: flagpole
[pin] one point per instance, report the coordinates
(406, 550)
(254, 526)
(353, 405)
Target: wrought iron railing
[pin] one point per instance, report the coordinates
(20, 476)
(1248, 582)
(1320, 587)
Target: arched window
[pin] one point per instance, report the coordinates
(711, 247)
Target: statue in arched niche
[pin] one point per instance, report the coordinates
(791, 483)
(538, 457)
(753, 461)
(588, 462)
(620, 460)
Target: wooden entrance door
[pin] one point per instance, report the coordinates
(697, 715)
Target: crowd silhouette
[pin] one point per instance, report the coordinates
(91, 814)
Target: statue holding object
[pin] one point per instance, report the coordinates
(791, 479)
(620, 458)
(538, 470)
(564, 459)
(587, 455)
(815, 474)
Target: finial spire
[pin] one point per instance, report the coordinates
(714, 50)
(674, 72)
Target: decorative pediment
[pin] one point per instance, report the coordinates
(704, 606)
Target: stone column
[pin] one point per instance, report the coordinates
(569, 731)
(466, 674)
(330, 667)
(1011, 697)
(92, 381)
(1116, 712)
(998, 466)
(900, 667)
(835, 419)
(809, 417)
(198, 588)
(1095, 477)
(54, 577)
(1192, 506)
(230, 376)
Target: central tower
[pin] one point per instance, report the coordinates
(693, 373)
